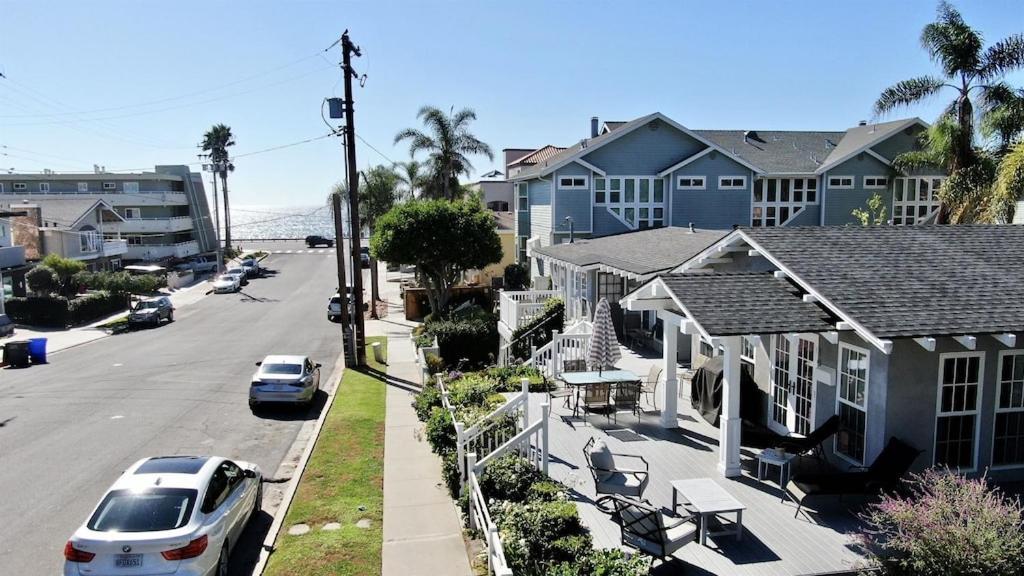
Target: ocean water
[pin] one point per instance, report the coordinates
(267, 221)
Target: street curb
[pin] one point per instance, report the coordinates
(266, 549)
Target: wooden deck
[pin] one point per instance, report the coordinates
(774, 541)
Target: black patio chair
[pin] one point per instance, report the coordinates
(884, 473)
(597, 398)
(610, 477)
(813, 442)
(626, 398)
(652, 531)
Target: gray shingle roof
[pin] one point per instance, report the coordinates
(910, 281)
(642, 252)
(732, 304)
(62, 212)
(859, 137)
(777, 151)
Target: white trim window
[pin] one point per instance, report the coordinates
(956, 417)
(130, 188)
(110, 186)
(1008, 435)
(522, 196)
(691, 183)
(572, 183)
(777, 200)
(852, 402)
(44, 187)
(747, 349)
(915, 198)
(90, 240)
(20, 187)
(83, 187)
(840, 182)
(636, 201)
(876, 182)
(132, 213)
(521, 248)
(732, 182)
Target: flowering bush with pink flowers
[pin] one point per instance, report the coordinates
(946, 525)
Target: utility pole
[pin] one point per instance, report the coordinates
(339, 253)
(347, 50)
(212, 168)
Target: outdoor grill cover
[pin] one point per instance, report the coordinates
(706, 392)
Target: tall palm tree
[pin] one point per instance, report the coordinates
(967, 68)
(448, 143)
(216, 142)
(411, 174)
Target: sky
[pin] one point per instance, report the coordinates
(129, 85)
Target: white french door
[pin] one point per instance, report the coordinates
(792, 383)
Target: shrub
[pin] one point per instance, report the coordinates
(603, 562)
(440, 431)
(537, 332)
(434, 363)
(946, 525)
(509, 477)
(540, 535)
(42, 280)
(423, 340)
(517, 276)
(546, 491)
(509, 378)
(451, 476)
(92, 306)
(470, 340)
(49, 311)
(471, 390)
(65, 268)
(425, 402)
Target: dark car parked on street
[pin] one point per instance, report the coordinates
(314, 241)
(151, 312)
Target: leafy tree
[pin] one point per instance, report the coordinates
(967, 66)
(42, 280)
(413, 175)
(517, 276)
(216, 142)
(873, 214)
(1009, 187)
(65, 268)
(447, 145)
(442, 239)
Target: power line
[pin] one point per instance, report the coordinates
(374, 148)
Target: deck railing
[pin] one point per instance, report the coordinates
(550, 358)
(517, 308)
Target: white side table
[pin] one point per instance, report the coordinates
(768, 457)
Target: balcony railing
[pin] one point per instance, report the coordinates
(114, 247)
(158, 225)
(11, 256)
(517, 308)
(161, 251)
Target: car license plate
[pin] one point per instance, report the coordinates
(128, 561)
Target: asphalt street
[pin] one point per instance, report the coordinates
(69, 428)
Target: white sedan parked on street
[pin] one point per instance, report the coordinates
(226, 283)
(177, 515)
(284, 379)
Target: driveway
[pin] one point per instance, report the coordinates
(67, 429)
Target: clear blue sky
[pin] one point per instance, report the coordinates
(535, 72)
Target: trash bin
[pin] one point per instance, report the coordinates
(16, 354)
(378, 352)
(37, 350)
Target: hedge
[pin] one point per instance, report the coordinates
(467, 341)
(59, 312)
(89, 307)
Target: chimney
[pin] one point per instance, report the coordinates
(593, 126)
(862, 123)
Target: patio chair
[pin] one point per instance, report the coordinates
(610, 477)
(650, 385)
(884, 473)
(598, 398)
(574, 365)
(651, 531)
(813, 442)
(626, 398)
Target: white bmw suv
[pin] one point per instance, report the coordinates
(176, 515)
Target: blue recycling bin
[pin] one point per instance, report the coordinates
(37, 350)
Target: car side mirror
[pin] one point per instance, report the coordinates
(260, 363)
(249, 473)
(318, 364)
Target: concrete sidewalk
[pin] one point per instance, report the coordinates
(422, 528)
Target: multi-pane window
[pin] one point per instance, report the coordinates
(690, 183)
(914, 199)
(19, 186)
(90, 240)
(521, 248)
(523, 196)
(639, 201)
(876, 182)
(851, 403)
(780, 380)
(44, 186)
(572, 182)
(1008, 438)
(776, 200)
(609, 286)
(957, 418)
(83, 186)
(732, 182)
(109, 186)
(747, 349)
(706, 349)
(840, 182)
(130, 188)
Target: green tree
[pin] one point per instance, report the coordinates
(447, 145)
(442, 239)
(873, 214)
(42, 280)
(1009, 187)
(376, 196)
(216, 142)
(967, 67)
(412, 175)
(65, 268)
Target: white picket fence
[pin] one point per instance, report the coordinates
(505, 430)
(550, 358)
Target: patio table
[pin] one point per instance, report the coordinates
(709, 500)
(579, 380)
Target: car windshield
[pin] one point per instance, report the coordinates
(335, 300)
(226, 278)
(234, 271)
(145, 305)
(282, 369)
(143, 511)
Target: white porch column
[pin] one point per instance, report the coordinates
(670, 392)
(729, 423)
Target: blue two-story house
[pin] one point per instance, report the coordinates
(653, 172)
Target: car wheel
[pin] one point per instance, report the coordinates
(257, 502)
(222, 563)
(253, 406)
(170, 316)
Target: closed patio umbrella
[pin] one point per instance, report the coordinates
(604, 346)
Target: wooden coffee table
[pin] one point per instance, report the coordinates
(709, 500)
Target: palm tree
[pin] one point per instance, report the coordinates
(447, 145)
(216, 142)
(967, 67)
(411, 174)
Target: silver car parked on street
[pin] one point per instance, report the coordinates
(284, 379)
